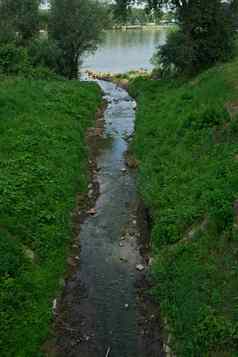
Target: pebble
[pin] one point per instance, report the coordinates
(123, 170)
(126, 306)
(121, 245)
(123, 259)
(54, 305)
(140, 267)
(90, 193)
(92, 211)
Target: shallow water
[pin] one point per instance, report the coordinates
(108, 279)
(100, 298)
(122, 51)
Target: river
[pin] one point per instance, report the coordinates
(122, 51)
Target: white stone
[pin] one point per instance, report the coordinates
(140, 267)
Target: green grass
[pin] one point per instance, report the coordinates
(186, 143)
(43, 164)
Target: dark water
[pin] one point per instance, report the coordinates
(110, 281)
(101, 298)
(122, 51)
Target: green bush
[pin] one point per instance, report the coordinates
(205, 36)
(13, 60)
(18, 61)
(45, 53)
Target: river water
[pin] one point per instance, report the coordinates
(122, 51)
(101, 313)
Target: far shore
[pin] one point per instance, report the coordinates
(142, 27)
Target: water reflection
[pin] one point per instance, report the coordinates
(122, 51)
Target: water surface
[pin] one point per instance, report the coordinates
(122, 51)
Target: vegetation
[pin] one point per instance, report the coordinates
(75, 27)
(19, 20)
(186, 144)
(43, 163)
(206, 36)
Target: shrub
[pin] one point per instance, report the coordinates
(13, 60)
(206, 36)
(45, 53)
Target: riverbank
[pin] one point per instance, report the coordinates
(186, 146)
(43, 165)
(143, 27)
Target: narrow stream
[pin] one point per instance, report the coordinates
(100, 298)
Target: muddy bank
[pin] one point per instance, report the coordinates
(106, 308)
(122, 80)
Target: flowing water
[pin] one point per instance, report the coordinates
(100, 308)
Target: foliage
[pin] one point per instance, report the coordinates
(13, 60)
(19, 20)
(186, 144)
(43, 19)
(206, 36)
(43, 163)
(16, 61)
(44, 52)
(121, 11)
(75, 26)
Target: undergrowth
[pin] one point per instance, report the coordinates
(186, 144)
(43, 164)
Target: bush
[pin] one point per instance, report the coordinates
(13, 60)
(175, 56)
(206, 36)
(45, 53)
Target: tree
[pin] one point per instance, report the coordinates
(121, 11)
(76, 27)
(19, 20)
(205, 36)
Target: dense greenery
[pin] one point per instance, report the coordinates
(19, 20)
(75, 26)
(125, 13)
(205, 36)
(186, 144)
(43, 163)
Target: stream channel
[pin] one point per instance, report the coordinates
(100, 305)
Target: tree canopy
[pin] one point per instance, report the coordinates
(76, 27)
(19, 19)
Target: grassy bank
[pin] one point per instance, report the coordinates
(43, 164)
(186, 143)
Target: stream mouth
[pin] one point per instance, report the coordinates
(99, 306)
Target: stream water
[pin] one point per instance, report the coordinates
(101, 312)
(100, 300)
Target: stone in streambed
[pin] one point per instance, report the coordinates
(140, 267)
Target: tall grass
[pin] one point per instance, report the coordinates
(43, 163)
(186, 143)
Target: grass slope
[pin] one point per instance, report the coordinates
(186, 143)
(43, 163)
